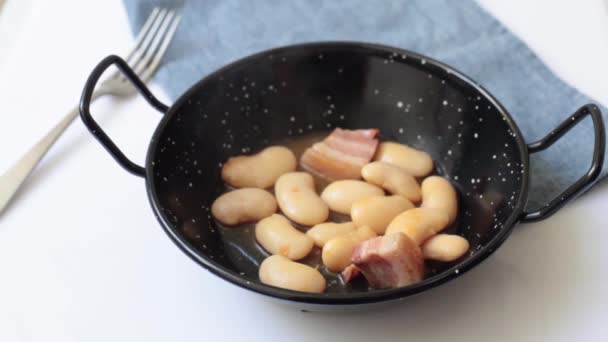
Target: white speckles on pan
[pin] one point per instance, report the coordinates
(243, 113)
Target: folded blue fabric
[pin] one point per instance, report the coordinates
(460, 33)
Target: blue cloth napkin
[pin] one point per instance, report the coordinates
(460, 33)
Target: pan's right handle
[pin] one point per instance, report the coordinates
(589, 177)
(85, 114)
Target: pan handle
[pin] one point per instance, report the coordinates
(85, 114)
(589, 177)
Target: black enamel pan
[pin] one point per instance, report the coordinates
(279, 95)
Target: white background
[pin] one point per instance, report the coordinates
(83, 259)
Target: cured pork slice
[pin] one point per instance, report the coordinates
(342, 154)
(350, 273)
(389, 261)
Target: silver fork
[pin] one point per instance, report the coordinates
(151, 44)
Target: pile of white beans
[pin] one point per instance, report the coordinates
(388, 200)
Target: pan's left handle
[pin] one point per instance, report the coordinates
(592, 173)
(85, 114)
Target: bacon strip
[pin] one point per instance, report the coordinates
(350, 273)
(389, 261)
(342, 154)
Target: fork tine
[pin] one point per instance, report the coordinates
(143, 38)
(143, 31)
(158, 56)
(147, 39)
(143, 62)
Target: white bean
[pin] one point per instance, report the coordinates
(415, 162)
(438, 193)
(340, 195)
(323, 232)
(243, 205)
(279, 271)
(378, 211)
(393, 179)
(419, 224)
(260, 170)
(276, 234)
(444, 247)
(298, 200)
(337, 252)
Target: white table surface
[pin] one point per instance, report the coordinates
(82, 257)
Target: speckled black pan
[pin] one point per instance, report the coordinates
(276, 95)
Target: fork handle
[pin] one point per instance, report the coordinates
(13, 178)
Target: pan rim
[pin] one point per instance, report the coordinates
(355, 298)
